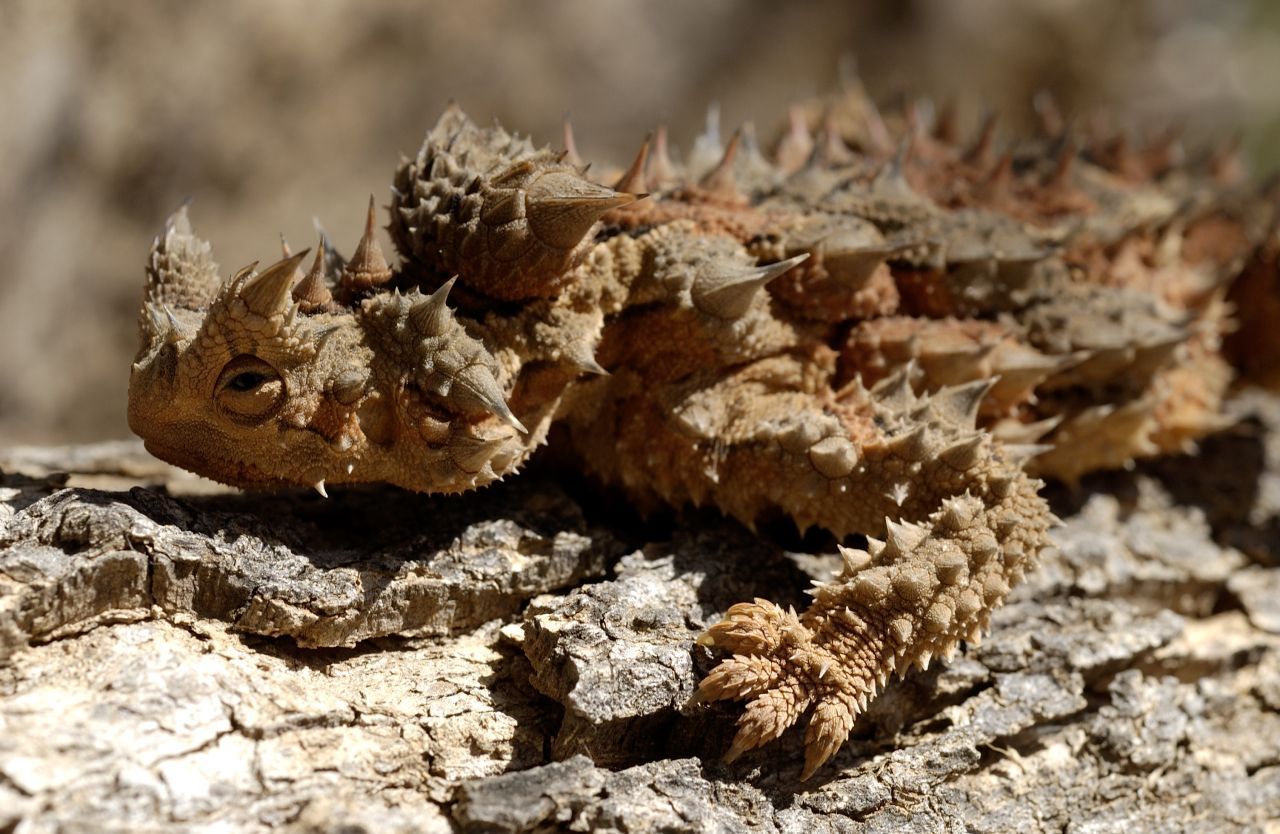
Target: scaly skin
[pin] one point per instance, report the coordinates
(872, 340)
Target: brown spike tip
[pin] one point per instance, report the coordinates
(720, 181)
(633, 180)
(312, 292)
(368, 266)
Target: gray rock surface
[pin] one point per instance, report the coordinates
(176, 657)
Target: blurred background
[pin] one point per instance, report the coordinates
(270, 113)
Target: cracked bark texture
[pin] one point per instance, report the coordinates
(178, 658)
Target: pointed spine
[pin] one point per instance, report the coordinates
(726, 291)
(312, 293)
(633, 179)
(431, 315)
(368, 267)
(269, 292)
(720, 181)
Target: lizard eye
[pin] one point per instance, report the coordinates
(246, 381)
(249, 389)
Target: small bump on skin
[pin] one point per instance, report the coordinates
(834, 457)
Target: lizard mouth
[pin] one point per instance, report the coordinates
(222, 470)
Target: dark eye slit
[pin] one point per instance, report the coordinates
(246, 381)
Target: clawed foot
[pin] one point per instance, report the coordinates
(784, 667)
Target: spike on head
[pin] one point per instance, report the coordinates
(312, 292)
(268, 293)
(368, 267)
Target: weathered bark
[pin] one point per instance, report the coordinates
(175, 658)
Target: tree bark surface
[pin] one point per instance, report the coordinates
(174, 657)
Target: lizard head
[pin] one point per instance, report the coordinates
(265, 380)
(228, 376)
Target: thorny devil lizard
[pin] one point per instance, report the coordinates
(876, 329)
